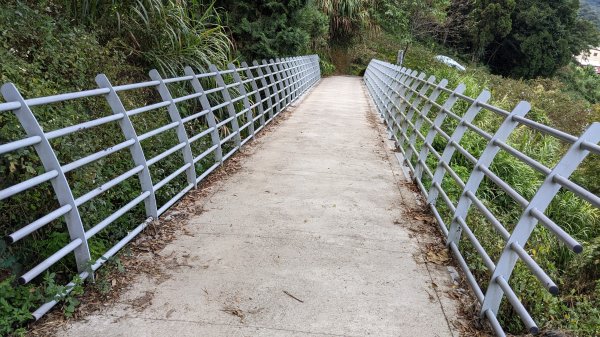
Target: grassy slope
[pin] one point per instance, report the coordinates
(590, 9)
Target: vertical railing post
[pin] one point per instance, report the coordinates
(404, 95)
(257, 98)
(424, 113)
(210, 116)
(312, 65)
(393, 89)
(414, 106)
(288, 74)
(244, 94)
(230, 107)
(309, 67)
(397, 82)
(437, 123)
(279, 86)
(296, 71)
(396, 88)
(372, 83)
(477, 175)
(389, 90)
(370, 86)
(267, 91)
(309, 64)
(60, 185)
(526, 224)
(317, 66)
(285, 67)
(175, 116)
(302, 75)
(274, 91)
(457, 135)
(136, 150)
(410, 90)
(385, 103)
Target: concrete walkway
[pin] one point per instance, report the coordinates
(306, 239)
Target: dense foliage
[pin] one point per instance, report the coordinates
(347, 19)
(523, 39)
(267, 29)
(167, 35)
(590, 10)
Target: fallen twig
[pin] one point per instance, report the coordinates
(292, 296)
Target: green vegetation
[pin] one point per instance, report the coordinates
(55, 46)
(267, 29)
(16, 303)
(590, 10)
(347, 19)
(523, 39)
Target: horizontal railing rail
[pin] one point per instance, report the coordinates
(419, 116)
(247, 98)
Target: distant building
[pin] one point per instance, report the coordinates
(590, 58)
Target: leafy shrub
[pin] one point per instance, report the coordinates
(171, 35)
(167, 35)
(582, 80)
(327, 68)
(264, 29)
(17, 302)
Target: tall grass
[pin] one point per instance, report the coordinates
(174, 34)
(163, 34)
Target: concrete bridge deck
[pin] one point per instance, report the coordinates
(309, 238)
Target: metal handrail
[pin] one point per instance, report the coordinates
(278, 83)
(405, 99)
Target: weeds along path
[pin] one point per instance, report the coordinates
(318, 233)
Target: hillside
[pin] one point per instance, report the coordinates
(590, 9)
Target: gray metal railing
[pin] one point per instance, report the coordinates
(407, 103)
(251, 96)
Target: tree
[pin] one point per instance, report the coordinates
(590, 10)
(491, 20)
(543, 36)
(457, 26)
(411, 20)
(347, 19)
(267, 28)
(426, 18)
